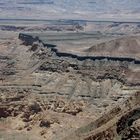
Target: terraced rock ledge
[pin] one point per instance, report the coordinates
(53, 95)
(104, 67)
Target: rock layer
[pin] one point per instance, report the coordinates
(53, 95)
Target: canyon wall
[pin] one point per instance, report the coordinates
(29, 40)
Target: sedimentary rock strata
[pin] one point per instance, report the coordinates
(56, 95)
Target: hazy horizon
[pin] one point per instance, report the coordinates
(71, 9)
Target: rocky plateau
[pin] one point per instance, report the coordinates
(46, 94)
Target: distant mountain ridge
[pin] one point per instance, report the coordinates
(79, 9)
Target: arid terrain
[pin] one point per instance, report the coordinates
(71, 9)
(69, 81)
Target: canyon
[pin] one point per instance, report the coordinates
(47, 93)
(69, 70)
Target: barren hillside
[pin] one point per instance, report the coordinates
(127, 46)
(47, 94)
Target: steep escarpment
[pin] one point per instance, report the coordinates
(96, 67)
(47, 94)
(118, 123)
(30, 39)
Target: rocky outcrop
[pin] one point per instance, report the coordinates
(115, 124)
(57, 95)
(82, 58)
(95, 67)
(29, 40)
(125, 124)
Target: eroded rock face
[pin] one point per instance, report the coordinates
(97, 70)
(62, 96)
(36, 113)
(94, 67)
(122, 124)
(125, 126)
(34, 107)
(4, 112)
(131, 133)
